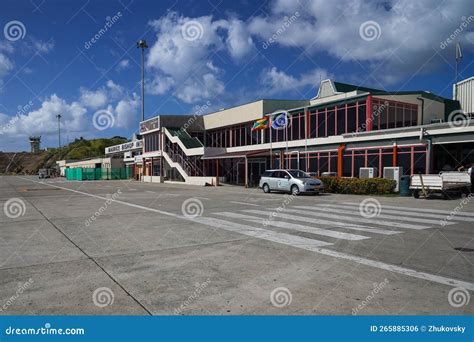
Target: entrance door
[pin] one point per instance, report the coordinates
(255, 168)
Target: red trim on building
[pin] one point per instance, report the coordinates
(368, 114)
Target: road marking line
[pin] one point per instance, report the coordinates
(353, 219)
(375, 220)
(398, 269)
(373, 263)
(321, 221)
(243, 203)
(405, 213)
(422, 210)
(297, 227)
(285, 239)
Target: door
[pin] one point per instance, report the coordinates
(282, 181)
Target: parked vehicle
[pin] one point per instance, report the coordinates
(292, 181)
(444, 183)
(44, 173)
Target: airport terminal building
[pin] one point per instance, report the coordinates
(342, 129)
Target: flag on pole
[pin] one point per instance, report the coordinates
(260, 124)
(280, 121)
(458, 52)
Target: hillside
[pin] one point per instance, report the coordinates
(30, 163)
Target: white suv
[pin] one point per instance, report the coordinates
(292, 181)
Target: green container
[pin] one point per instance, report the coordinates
(405, 186)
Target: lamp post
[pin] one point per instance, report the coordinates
(141, 44)
(59, 130)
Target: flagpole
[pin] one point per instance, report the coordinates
(286, 138)
(270, 133)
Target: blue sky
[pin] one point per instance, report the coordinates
(205, 55)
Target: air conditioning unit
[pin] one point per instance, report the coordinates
(393, 173)
(368, 172)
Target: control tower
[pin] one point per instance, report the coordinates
(35, 142)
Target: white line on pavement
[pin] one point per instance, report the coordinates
(310, 211)
(327, 222)
(285, 239)
(243, 203)
(423, 210)
(405, 213)
(297, 227)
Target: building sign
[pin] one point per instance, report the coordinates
(150, 125)
(128, 146)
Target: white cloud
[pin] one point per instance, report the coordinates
(127, 112)
(93, 99)
(239, 42)
(123, 64)
(410, 32)
(181, 57)
(278, 82)
(42, 121)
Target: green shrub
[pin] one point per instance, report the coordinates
(359, 186)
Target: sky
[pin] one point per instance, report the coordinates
(79, 58)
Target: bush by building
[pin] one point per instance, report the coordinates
(358, 186)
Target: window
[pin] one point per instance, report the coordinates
(341, 120)
(330, 122)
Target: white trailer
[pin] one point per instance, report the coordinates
(444, 183)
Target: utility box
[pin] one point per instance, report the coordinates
(368, 172)
(393, 173)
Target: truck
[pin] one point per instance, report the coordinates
(444, 183)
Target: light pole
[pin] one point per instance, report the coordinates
(59, 130)
(141, 44)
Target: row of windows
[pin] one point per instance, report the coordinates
(391, 114)
(152, 142)
(324, 122)
(412, 159)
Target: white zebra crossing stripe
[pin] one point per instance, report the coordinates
(421, 210)
(317, 212)
(321, 221)
(409, 216)
(285, 239)
(405, 213)
(356, 212)
(294, 226)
